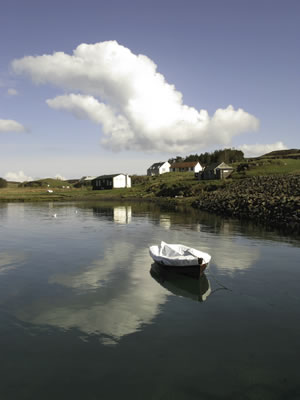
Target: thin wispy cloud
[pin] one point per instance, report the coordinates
(9, 125)
(12, 92)
(135, 105)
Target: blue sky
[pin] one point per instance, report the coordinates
(105, 108)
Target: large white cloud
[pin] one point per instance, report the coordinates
(9, 125)
(253, 150)
(135, 105)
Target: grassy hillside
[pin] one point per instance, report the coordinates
(292, 153)
(170, 185)
(173, 185)
(273, 163)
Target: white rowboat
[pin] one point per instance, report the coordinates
(179, 256)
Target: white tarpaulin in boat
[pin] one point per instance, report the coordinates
(178, 255)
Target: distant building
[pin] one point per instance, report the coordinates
(84, 181)
(185, 166)
(87, 178)
(159, 168)
(216, 171)
(111, 182)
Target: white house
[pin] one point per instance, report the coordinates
(111, 182)
(185, 166)
(159, 168)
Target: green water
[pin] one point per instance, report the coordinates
(85, 314)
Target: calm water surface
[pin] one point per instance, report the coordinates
(85, 314)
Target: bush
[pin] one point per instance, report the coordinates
(140, 179)
(211, 188)
(175, 189)
(242, 167)
(3, 183)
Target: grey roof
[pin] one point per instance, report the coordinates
(107, 176)
(157, 165)
(213, 166)
(185, 164)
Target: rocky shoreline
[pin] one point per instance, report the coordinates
(270, 200)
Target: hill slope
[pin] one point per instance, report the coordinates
(291, 153)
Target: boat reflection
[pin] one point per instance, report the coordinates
(197, 289)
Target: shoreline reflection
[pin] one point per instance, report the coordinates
(118, 214)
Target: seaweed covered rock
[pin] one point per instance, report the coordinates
(271, 200)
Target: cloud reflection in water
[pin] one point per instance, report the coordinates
(231, 255)
(10, 260)
(111, 312)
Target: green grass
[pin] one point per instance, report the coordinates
(28, 194)
(286, 166)
(52, 183)
(267, 166)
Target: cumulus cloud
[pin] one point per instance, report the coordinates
(17, 177)
(253, 150)
(12, 92)
(137, 108)
(9, 125)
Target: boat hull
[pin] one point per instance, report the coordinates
(195, 270)
(193, 287)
